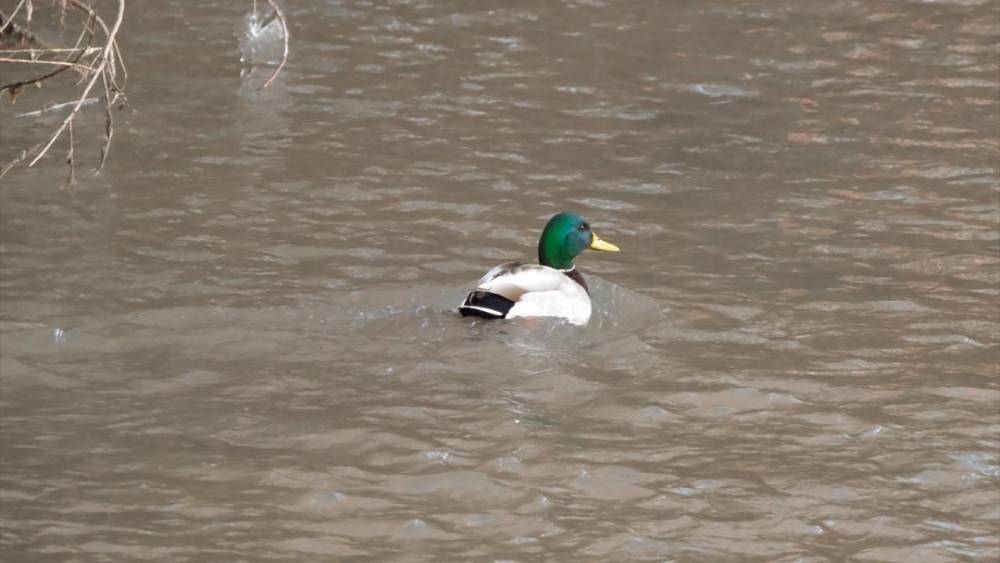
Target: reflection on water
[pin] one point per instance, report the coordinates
(239, 340)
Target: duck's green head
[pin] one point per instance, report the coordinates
(566, 235)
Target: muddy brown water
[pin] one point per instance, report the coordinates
(238, 342)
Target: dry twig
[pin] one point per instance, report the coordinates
(69, 158)
(103, 63)
(284, 33)
(11, 32)
(8, 22)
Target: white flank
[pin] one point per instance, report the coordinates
(538, 291)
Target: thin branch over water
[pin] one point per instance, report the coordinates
(284, 35)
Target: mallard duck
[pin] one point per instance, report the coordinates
(551, 288)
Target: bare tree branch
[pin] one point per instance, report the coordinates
(9, 22)
(97, 74)
(284, 33)
(33, 54)
(103, 63)
(69, 158)
(109, 129)
(14, 33)
(18, 159)
(69, 64)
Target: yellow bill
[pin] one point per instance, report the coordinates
(597, 244)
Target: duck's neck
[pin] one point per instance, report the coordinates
(552, 253)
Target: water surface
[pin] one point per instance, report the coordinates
(238, 342)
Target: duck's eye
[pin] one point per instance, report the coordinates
(584, 226)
